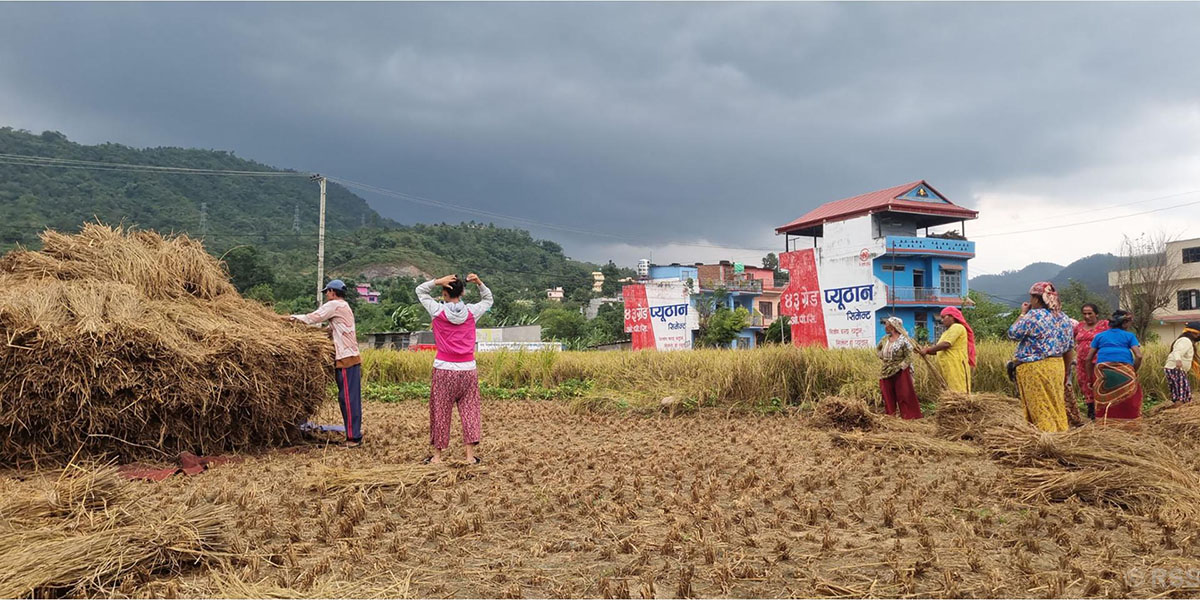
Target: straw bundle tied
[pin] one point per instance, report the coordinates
(1102, 465)
(1180, 424)
(845, 414)
(85, 533)
(75, 493)
(128, 343)
(970, 416)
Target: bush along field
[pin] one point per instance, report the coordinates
(769, 378)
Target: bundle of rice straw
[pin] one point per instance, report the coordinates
(835, 412)
(969, 416)
(128, 343)
(1119, 486)
(1180, 425)
(109, 536)
(1099, 464)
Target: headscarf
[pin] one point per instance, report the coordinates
(958, 316)
(1192, 327)
(1048, 294)
(897, 324)
(1119, 318)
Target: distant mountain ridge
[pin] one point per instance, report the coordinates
(267, 225)
(269, 212)
(1012, 287)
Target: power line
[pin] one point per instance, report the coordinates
(484, 213)
(45, 161)
(1109, 207)
(1065, 225)
(41, 161)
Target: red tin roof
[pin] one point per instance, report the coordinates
(879, 201)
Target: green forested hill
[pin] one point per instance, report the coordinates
(250, 225)
(240, 209)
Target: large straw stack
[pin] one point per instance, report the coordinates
(132, 344)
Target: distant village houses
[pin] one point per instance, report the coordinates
(851, 263)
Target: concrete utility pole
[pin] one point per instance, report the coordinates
(296, 220)
(203, 219)
(320, 242)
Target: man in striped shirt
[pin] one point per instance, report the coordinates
(346, 360)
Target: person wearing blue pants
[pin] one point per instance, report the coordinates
(346, 360)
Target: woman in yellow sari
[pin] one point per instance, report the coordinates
(957, 348)
(1045, 346)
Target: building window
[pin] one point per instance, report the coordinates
(766, 309)
(896, 268)
(1189, 299)
(952, 283)
(920, 330)
(1191, 255)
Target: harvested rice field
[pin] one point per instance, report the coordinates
(843, 503)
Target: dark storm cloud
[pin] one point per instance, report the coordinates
(662, 122)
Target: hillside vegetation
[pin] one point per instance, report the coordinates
(249, 224)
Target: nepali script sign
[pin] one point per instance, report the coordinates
(831, 305)
(658, 315)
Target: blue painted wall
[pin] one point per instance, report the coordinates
(680, 272)
(733, 301)
(933, 273)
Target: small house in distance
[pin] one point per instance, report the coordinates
(367, 294)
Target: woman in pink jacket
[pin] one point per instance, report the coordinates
(455, 380)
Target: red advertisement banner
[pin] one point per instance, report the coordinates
(801, 299)
(637, 317)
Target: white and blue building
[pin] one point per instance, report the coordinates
(741, 291)
(883, 238)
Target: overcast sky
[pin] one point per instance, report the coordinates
(656, 125)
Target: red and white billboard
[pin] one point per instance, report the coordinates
(831, 305)
(658, 315)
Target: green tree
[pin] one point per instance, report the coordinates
(1076, 294)
(608, 326)
(724, 326)
(248, 268)
(370, 318)
(612, 275)
(261, 292)
(562, 325)
(771, 261)
(410, 317)
(779, 327)
(990, 320)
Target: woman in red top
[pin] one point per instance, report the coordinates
(1085, 331)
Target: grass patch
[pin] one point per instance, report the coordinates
(767, 379)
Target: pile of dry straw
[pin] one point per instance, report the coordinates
(129, 343)
(81, 532)
(1144, 469)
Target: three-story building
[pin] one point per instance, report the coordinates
(858, 260)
